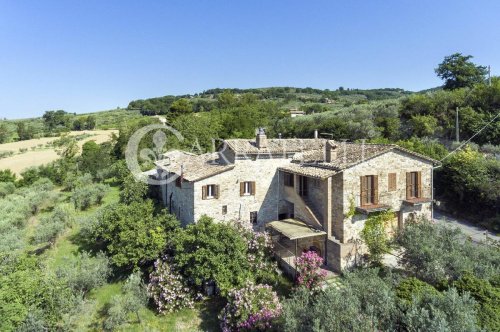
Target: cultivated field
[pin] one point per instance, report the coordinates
(39, 154)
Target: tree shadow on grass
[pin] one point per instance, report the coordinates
(209, 311)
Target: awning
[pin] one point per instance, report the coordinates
(294, 229)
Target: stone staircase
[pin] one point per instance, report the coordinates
(312, 208)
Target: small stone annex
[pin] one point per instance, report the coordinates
(321, 191)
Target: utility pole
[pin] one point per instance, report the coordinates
(457, 128)
(489, 75)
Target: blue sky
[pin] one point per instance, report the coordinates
(85, 56)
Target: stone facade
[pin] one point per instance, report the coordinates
(390, 162)
(265, 201)
(333, 191)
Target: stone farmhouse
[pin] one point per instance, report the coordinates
(311, 194)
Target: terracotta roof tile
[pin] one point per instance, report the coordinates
(241, 146)
(193, 167)
(308, 170)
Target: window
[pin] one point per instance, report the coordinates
(247, 188)
(369, 189)
(392, 182)
(210, 191)
(224, 209)
(303, 187)
(253, 217)
(288, 179)
(413, 185)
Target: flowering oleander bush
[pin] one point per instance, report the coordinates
(310, 274)
(168, 288)
(251, 308)
(260, 250)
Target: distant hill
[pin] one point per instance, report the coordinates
(290, 97)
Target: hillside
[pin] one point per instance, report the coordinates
(285, 97)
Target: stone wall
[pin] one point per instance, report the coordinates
(267, 194)
(179, 201)
(390, 162)
(338, 206)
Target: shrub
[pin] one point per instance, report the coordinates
(47, 230)
(309, 270)
(168, 289)
(330, 310)
(116, 314)
(487, 296)
(5, 154)
(51, 226)
(253, 307)
(72, 181)
(133, 298)
(411, 288)
(374, 235)
(6, 188)
(259, 253)
(135, 293)
(376, 296)
(435, 253)
(85, 272)
(6, 175)
(84, 197)
(441, 312)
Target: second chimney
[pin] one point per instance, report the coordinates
(330, 151)
(261, 139)
(316, 133)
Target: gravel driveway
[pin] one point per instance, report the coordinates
(476, 232)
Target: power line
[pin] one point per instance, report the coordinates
(467, 141)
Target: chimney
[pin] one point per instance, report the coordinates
(330, 151)
(316, 133)
(261, 139)
(279, 135)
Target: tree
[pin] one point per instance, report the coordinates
(133, 190)
(66, 147)
(423, 125)
(90, 122)
(181, 106)
(130, 301)
(77, 124)
(459, 72)
(24, 132)
(439, 254)
(54, 119)
(84, 273)
(441, 312)
(332, 310)
(212, 252)
(132, 234)
(4, 133)
(94, 158)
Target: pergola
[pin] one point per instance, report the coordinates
(294, 230)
